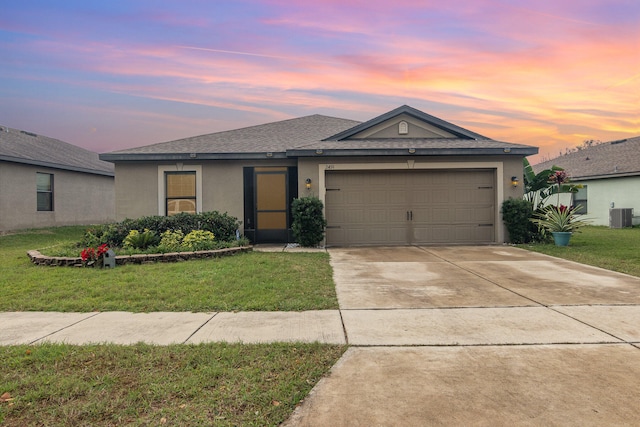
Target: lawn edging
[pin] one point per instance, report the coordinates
(37, 258)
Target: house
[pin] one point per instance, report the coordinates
(610, 175)
(47, 182)
(404, 177)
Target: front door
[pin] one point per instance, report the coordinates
(268, 198)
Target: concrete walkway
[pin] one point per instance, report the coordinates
(439, 336)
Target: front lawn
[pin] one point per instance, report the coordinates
(616, 249)
(180, 385)
(252, 281)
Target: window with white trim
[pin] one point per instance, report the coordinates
(580, 199)
(44, 189)
(180, 192)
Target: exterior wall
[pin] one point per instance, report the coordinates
(79, 198)
(136, 190)
(505, 167)
(601, 193)
(139, 188)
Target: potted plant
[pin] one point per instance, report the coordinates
(561, 221)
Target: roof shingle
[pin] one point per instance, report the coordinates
(609, 159)
(25, 147)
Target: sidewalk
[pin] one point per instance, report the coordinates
(165, 328)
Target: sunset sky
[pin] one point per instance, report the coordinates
(108, 75)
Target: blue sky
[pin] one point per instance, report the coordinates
(118, 74)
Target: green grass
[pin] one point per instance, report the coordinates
(613, 249)
(207, 384)
(244, 282)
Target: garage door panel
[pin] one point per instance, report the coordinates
(410, 207)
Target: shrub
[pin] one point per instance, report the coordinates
(308, 222)
(516, 214)
(221, 225)
(136, 239)
(171, 241)
(199, 240)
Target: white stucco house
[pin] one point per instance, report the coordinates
(46, 182)
(610, 175)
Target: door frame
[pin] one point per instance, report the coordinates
(255, 235)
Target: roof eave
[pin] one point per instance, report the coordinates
(605, 176)
(147, 157)
(50, 165)
(412, 152)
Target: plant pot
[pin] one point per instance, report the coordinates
(561, 237)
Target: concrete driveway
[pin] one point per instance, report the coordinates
(479, 336)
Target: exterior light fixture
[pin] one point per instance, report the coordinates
(318, 152)
(514, 181)
(412, 150)
(307, 182)
(269, 154)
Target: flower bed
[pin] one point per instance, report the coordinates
(39, 259)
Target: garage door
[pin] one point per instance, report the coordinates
(410, 207)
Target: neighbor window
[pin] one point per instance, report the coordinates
(44, 184)
(580, 198)
(180, 192)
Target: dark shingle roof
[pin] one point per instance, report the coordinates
(28, 148)
(609, 159)
(307, 136)
(271, 137)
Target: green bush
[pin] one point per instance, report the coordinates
(140, 240)
(221, 225)
(199, 240)
(171, 241)
(308, 222)
(516, 214)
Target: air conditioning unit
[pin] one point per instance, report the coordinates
(620, 217)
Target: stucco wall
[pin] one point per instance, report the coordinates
(622, 192)
(79, 198)
(136, 190)
(137, 186)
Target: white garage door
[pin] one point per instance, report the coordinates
(410, 207)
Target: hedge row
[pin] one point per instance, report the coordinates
(222, 225)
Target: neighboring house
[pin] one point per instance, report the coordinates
(404, 177)
(610, 175)
(46, 182)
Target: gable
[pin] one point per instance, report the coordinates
(403, 126)
(419, 125)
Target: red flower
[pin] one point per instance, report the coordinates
(88, 254)
(102, 249)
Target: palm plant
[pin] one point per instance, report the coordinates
(559, 219)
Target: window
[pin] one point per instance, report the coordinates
(44, 185)
(580, 198)
(180, 192)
